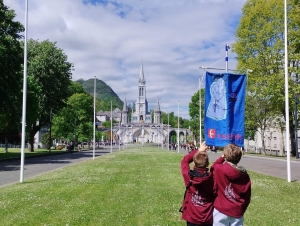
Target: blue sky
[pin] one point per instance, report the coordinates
(110, 39)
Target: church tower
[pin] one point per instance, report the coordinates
(157, 113)
(124, 119)
(141, 114)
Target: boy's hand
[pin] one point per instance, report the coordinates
(203, 147)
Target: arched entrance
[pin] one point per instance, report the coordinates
(141, 136)
(110, 135)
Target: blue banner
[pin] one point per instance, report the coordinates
(224, 109)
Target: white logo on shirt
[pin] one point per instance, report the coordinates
(196, 199)
(229, 192)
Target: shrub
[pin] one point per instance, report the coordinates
(45, 140)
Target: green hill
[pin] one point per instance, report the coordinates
(104, 94)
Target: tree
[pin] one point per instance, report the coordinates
(76, 88)
(194, 113)
(49, 84)
(74, 121)
(259, 120)
(46, 140)
(11, 58)
(251, 126)
(260, 47)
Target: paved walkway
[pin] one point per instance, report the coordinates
(10, 170)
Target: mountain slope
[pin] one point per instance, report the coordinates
(104, 94)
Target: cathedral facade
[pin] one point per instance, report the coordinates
(142, 127)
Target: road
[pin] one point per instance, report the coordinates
(265, 165)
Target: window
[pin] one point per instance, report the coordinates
(274, 138)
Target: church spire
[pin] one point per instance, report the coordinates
(157, 109)
(157, 113)
(125, 106)
(142, 79)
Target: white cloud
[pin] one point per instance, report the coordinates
(110, 39)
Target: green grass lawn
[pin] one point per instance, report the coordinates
(16, 153)
(136, 186)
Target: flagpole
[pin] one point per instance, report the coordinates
(168, 132)
(111, 127)
(287, 119)
(24, 95)
(178, 127)
(94, 118)
(162, 134)
(226, 57)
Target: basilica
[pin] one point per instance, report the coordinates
(141, 128)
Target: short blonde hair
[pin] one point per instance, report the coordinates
(201, 159)
(232, 153)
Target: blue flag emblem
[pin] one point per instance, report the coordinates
(224, 109)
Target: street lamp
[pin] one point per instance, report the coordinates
(74, 133)
(111, 127)
(119, 134)
(178, 128)
(168, 132)
(142, 136)
(50, 138)
(162, 134)
(94, 135)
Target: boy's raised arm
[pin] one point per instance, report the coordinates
(218, 161)
(185, 165)
(203, 146)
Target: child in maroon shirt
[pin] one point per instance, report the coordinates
(197, 207)
(234, 188)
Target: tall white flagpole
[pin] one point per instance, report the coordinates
(226, 57)
(178, 129)
(111, 127)
(287, 119)
(94, 118)
(24, 95)
(119, 135)
(162, 135)
(168, 132)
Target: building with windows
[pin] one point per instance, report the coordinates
(142, 127)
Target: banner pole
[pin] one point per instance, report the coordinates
(226, 57)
